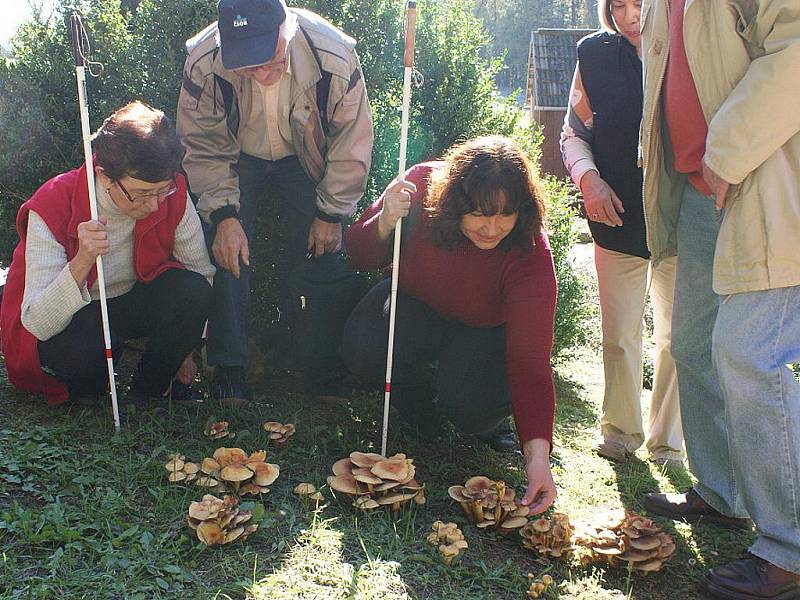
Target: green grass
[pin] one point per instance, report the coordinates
(85, 513)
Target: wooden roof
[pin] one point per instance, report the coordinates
(551, 63)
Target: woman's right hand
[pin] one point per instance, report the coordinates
(92, 240)
(396, 202)
(602, 204)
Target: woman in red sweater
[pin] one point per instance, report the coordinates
(477, 297)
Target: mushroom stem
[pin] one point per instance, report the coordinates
(478, 508)
(396, 507)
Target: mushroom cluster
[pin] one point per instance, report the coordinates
(549, 537)
(448, 538)
(307, 490)
(218, 430)
(180, 470)
(218, 522)
(490, 504)
(233, 470)
(279, 433)
(537, 588)
(373, 480)
(625, 537)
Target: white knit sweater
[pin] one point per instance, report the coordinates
(52, 295)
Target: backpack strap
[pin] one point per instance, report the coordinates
(323, 85)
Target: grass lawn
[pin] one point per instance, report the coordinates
(88, 514)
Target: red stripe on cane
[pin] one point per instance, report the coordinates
(388, 387)
(108, 353)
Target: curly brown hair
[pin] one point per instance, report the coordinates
(475, 171)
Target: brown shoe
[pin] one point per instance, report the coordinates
(690, 507)
(752, 578)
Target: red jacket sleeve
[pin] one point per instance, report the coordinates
(531, 292)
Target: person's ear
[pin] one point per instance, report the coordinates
(101, 175)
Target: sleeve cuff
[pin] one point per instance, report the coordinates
(580, 168)
(226, 212)
(323, 216)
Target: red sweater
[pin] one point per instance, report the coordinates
(63, 204)
(685, 119)
(480, 288)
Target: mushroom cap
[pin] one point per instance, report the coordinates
(396, 469)
(365, 476)
(206, 481)
(346, 484)
(649, 566)
(365, 503)
(190, 468)
(204, 510)
(513, 523)
(460, 544)
(316, 496)
(257, 456)
(644, 543)
(523, 510)
(210, 534)
(343, 466)
(289, 429)
(485, 523)
(612, 551)
(387, 485)
(541, 525)
(304, 489)
(478, 487)
(176, 464)
(176, 476)
(366, 460)
(234, 535)
(209, 466)
(236, 473)
(393, 498)
(228, 456)
(265, 473)
(456, 492)
(420, 498)
(251, 489)
(273, 426)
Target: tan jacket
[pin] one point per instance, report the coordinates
(745, 60)
(338, 162)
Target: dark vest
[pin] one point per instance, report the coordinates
(612, 78)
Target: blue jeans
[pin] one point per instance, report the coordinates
(756, 335)
(294, 195)
(740, 405)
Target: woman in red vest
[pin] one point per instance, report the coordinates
(157, 271)
(477, 297)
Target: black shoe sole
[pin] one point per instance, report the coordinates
(718, 520)
(721, 593)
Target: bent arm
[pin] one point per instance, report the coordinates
(349, 154)
(576, 134)
(211, 148)
(51, 296)
(760, 115)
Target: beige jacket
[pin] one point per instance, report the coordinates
(745, 60)
(338, 162)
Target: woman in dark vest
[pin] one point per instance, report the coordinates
(599, 145)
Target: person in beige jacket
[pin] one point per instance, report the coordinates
(720, 142)
(272, 100)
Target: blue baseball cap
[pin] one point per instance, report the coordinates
(248, 31)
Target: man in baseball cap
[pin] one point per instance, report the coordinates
(299, 144)
(249, 31)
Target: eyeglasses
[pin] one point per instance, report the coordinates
(159, 196)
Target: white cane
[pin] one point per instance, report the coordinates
(80, 42)
(408, 68)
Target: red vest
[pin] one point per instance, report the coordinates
(63, 204)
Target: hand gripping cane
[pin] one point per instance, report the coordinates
(79, 44)
(408, 67)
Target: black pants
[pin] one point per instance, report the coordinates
(170, 312)
(470, 381)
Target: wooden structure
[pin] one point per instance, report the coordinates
(551, 64)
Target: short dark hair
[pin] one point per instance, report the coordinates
(138, 141)
(605, 16)
(474, 173)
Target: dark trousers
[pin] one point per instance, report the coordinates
(470, 379)
(295, 199)
(170, 312)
